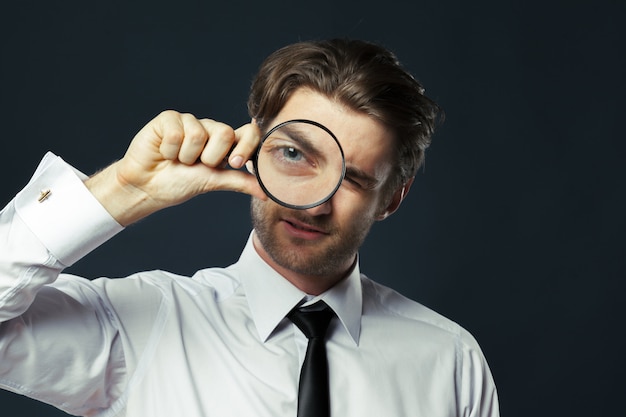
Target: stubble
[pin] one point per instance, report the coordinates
(326, 257)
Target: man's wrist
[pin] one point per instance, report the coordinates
(124, 202)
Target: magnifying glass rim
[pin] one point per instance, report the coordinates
(297, 206)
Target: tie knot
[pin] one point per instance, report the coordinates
(313, 320)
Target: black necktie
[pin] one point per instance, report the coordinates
(313, 396)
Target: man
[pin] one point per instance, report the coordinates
(224, 342)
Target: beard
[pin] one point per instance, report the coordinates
(334, 254)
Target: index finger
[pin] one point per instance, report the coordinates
(248, 138)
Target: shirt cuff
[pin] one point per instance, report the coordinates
(62, 213)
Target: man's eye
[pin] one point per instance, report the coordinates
(292, 153)
(353, 182)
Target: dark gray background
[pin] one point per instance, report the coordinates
(515, 227)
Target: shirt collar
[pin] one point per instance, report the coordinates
(270, 296)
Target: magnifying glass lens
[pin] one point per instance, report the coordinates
(300, 164)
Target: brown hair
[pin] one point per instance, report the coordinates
(363, 76)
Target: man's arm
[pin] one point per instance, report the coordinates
(172, 159)
(55, 220)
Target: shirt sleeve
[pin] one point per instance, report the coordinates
(53, 222)
(477, 394)
(56, 345)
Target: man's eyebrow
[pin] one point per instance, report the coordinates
(366, 181)
(299, 136)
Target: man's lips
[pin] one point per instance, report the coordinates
(303, 230)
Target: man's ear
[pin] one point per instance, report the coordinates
(398, 196)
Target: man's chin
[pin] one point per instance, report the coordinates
(302, 256)
(311, 258)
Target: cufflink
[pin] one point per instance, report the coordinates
(43, 195)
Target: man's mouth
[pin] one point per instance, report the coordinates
(303, 230)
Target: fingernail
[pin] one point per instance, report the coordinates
(236, 161)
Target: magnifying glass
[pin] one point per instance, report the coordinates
(299, 164)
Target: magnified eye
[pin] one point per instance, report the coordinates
(292, 153)
(286, 155)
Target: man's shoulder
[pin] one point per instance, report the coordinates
(152, 285)
(410, 316)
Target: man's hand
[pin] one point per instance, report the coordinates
(172, 159)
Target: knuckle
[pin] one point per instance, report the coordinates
(224, 133)
(195, 134)
(172, 137)
(188, 116)
(168, 113)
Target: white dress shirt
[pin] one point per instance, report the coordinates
(216, 344)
